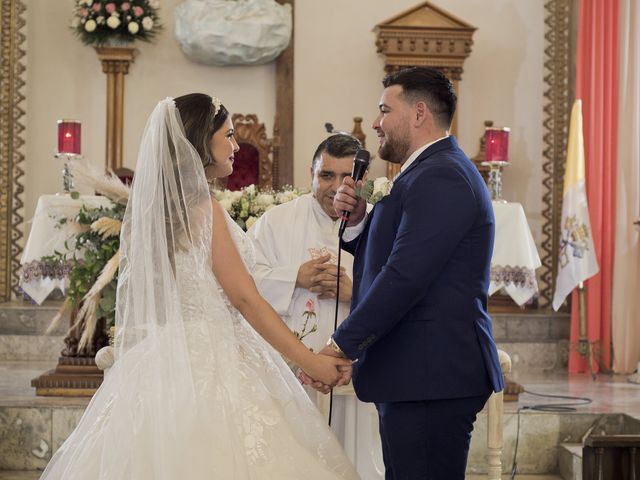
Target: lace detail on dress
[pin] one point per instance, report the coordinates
(251, 418)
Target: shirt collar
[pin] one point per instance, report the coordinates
(416, 154)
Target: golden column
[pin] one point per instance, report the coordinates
(115, 63)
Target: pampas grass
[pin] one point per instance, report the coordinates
(107, 227)
(87, 313)
(66, 306)
(107, 184)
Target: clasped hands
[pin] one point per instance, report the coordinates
(321, 277)
(324, 382)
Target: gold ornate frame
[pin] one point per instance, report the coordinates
(559, 91)
(11, 140)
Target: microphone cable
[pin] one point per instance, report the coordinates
(335, 318)
(545, 407)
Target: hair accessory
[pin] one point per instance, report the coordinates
(216, 105)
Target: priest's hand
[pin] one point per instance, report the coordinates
(325, 283)
(308, 270)
(348, 200)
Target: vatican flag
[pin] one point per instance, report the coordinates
(577, 259)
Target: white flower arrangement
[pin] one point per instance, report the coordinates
(97, 22)
(247, 205)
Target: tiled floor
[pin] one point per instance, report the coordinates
(609, 393)
(16, 389)
(504, 477)
(20, 475)
(36, 476)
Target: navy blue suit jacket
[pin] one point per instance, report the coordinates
(418, 325)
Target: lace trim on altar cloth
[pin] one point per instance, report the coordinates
(37, 269)
(521, 277)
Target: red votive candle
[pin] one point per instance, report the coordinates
(69, 137)
(496, 141)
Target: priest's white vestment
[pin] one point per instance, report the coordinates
(285, 237)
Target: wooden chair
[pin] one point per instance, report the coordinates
(125, 174)
(257, 160)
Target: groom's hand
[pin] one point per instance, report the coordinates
(345, 370)
(347, 199)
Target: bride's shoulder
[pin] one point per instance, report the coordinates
(218, 210)
(220, 214)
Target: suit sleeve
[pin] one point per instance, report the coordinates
(438, 209)
(275, 279)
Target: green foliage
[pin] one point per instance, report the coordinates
(96, 252)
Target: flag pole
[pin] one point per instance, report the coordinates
(584, 346)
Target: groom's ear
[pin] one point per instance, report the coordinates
(422, 114)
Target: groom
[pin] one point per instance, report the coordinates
(418, 330)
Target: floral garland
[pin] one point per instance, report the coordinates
(98, 21)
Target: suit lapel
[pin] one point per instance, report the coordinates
(444, 144)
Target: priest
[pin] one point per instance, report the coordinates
(296, 247)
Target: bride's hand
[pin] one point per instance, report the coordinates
(325, 369)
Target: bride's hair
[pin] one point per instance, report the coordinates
(200, 122)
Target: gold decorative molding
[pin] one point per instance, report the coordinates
(559, 89)
(11, 141)
(283, 170)
(115, 64)
(425, 36)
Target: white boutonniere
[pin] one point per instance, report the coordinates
(375, 190)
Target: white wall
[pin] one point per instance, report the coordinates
(65, 80)
(337, 76)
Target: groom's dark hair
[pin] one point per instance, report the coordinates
(428, 85)
(200, 122)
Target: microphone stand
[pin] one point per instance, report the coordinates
(335, 318)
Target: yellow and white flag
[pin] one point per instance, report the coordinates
(577, 259)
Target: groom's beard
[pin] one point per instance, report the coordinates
(395, 148)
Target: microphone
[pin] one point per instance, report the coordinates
(360, 165)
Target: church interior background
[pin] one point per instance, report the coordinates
(516, 64)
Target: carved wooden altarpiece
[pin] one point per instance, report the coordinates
(425, 36)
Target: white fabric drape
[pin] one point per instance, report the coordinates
(626, 274)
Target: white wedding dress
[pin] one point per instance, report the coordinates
(201, 398)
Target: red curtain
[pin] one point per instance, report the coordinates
(597, 86)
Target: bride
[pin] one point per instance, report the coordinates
(196, 392)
